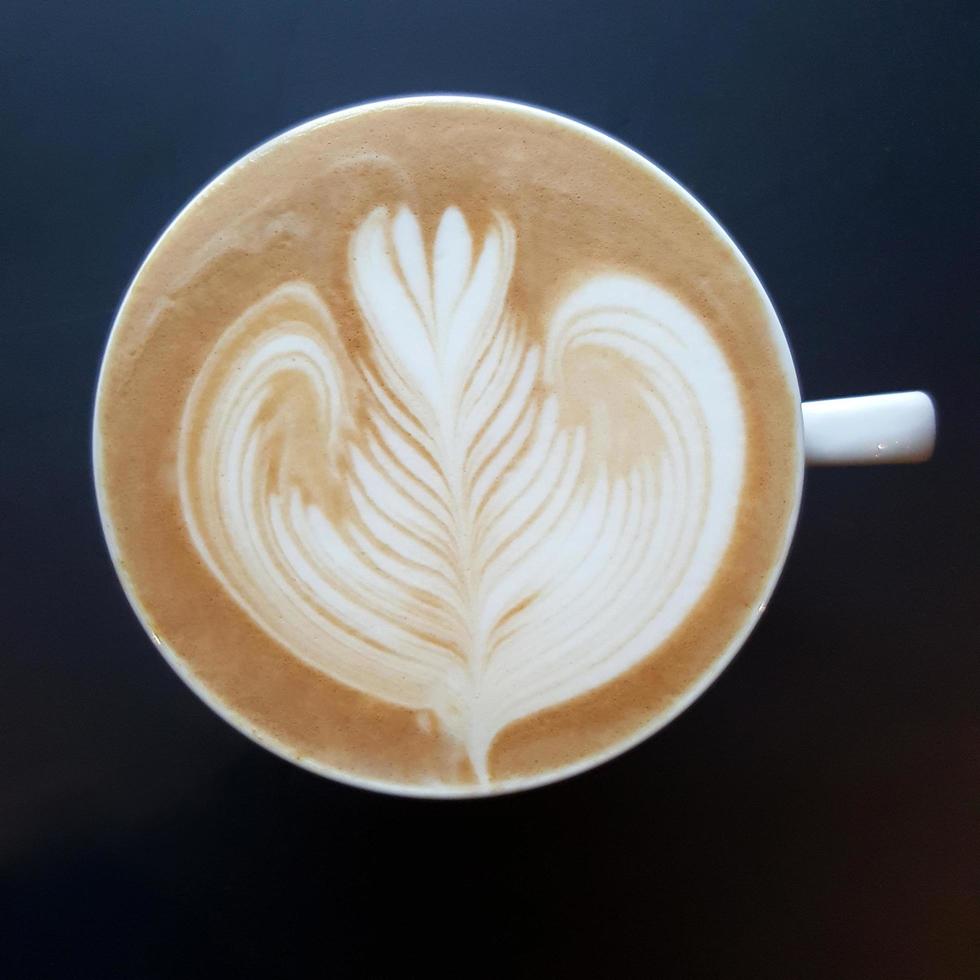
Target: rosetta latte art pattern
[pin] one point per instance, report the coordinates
(459, 515)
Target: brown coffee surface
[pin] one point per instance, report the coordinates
(273, 241)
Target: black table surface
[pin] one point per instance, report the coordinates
(815, 814)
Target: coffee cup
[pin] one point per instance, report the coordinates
(447, 447)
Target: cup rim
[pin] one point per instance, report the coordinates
(504, 787)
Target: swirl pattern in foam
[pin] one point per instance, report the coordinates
(469, 516)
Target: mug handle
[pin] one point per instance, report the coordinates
(896, 428)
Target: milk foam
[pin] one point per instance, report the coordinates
(456, 517)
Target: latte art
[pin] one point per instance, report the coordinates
(446, 446)
(467, 515)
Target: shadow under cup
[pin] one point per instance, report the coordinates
(447, 447)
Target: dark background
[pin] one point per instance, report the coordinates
(815, 814)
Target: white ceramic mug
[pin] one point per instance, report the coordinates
(885, 428)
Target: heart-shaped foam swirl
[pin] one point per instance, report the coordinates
(453, 518)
